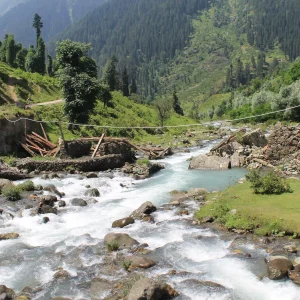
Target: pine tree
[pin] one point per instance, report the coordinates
(10, 54)
(21, 58)
(38, 25)
(30, 60)
(176, 104)
(133, 87)
(111, 74)
(50, 65)
(40, 57)
(125, 83)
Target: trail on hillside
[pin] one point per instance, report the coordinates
(46, 103)
(11, 89)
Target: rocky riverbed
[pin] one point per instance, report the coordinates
(117, 237)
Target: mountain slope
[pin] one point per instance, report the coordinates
(6, 5)
(56, 15)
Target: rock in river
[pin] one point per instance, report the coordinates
(78, 202)
(122, 222)
(213, 162)
(122, 239)
(148, 289)
(278, 267)
(92, 193)
(9, 236)
(145, 209)
(6, 293)
(140, 262)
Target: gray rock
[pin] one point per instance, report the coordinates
(146, 208)
(208, 219)
(6, 293)
(47, 209)
(45, 220)
(4, 182)
(235, 160)
(61, 203)
(91, 175)
(99, 287)
(122, 222)
(255, 138)
(204, 162)
(52, 189)
(122, 239)
(78, 202)
(92, 193)
(278, 267)
(148, 289)
(47, 200)
(140, 262)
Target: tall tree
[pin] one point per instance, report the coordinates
(80, 89)
(50, 65)
(38, 25)
(10, 53)
(176, 104)
(40, 59)
(111, 74)
(125, 83)
(30, 60)
(133, 86)
(21, 58)
(163, 108)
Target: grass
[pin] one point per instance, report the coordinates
(113, 246)
(26, 186)
(11, 193)
(262, 214)
(143, 161)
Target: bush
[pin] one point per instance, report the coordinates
(11, 193)
(26, 186)
(113, 246)
(143, 161)
(269, 183)
(126, 264)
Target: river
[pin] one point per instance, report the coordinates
(73, 239)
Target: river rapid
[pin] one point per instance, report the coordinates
(73, 240)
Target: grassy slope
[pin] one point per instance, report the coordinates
(124, 113)
(261, 213)
(23, 85)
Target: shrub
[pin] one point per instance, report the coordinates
(143, 161)
(113, 246)
(126, 264)
(11, 192)
(269, 183)
(26, 186)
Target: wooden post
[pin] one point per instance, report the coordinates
(44, 133)
(61, 133)
(98, 145)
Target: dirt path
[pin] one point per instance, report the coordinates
(46, 103)
(11, 89)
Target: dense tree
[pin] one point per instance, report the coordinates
(133, 87)
(163, 108)
(50, 65)
(176, 104)
(30, 60)
(38, 25)
(125, 83)
(111, 74)
(80, 90)
(21, 58)
(10, 50)
(40, 57)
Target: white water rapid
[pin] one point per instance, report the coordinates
(72, 239)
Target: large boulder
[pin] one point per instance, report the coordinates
(148, 289)
(294, 275)
(278, 267)
(255, 138)
(122, 239)
(6, 293)
(146, 208)
(92, 193)
(47, 200)
(3, 183)
(213, 162)
(78, 202)
(52, 189)
(47, 209)
(140, 262)
(99, 287)
(197, 193)
(122, 222)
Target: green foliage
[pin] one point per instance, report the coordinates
(11, 193)
(38, 25)
(113, 246)
(126, 264)
(40, 57)
(269, 183)
(163, 108)
(111, 75)
(176, 104)
(26, 186)
(76, 73)
(143, 161)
